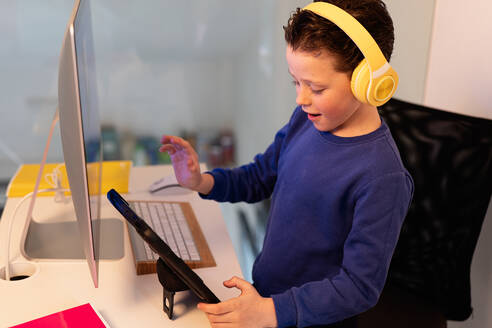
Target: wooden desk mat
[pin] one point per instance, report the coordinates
(206, 257)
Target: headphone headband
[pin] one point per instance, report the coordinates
(355, 31)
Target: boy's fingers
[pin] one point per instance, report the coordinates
(169, 148)
(178, 142)
(238, 283)
(165, 139)
(216, 309)
(219, 308)
(173, 147)
(220, 318)
(173, 140)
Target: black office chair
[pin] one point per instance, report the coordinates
(450, 159)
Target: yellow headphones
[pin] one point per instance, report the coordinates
(374, 81)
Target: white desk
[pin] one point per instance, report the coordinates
(123, 298)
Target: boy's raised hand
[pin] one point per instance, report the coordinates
(249, 309)
(184, 159)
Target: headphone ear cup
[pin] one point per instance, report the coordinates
(360, 81)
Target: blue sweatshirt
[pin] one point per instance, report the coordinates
(337, 208)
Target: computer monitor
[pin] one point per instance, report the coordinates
(82, 151)
(79, 126)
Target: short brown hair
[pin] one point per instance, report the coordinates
(309, 32)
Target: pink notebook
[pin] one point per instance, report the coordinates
(79, 316)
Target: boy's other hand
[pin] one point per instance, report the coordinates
(247, 310)
(186, 165)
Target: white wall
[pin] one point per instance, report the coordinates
(31, 41)
(413, 26)
(459, 79)
(266, 97)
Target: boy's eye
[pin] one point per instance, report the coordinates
(295, 82)
(318, 91)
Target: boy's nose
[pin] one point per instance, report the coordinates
(303, 96)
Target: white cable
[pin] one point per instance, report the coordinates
(33, 193)
(11, 221)
(9, 232)
(54, 179)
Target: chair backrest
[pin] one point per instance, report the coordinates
(450, 159)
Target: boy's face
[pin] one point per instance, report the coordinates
(324, 94)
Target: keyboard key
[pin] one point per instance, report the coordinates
(169, 223)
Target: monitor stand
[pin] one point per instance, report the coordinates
(61, 240)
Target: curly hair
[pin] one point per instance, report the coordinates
(309, 32)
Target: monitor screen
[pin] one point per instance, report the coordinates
(79, 237)
(87, 80)
(80, 127)
(89, 105)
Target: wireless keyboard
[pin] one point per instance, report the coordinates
(176, 225)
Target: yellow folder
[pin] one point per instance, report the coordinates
(115, 174)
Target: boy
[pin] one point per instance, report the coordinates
(339, 190)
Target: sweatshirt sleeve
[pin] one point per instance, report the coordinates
(252, 182)
(379, 211)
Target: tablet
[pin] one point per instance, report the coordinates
(173, 262)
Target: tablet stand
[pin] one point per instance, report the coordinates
(171, 284)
